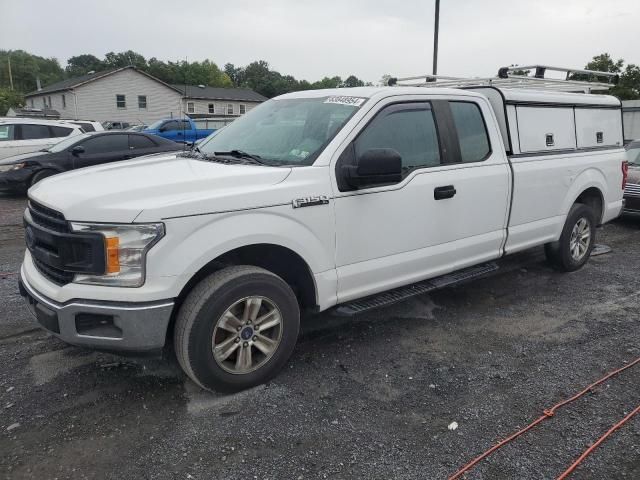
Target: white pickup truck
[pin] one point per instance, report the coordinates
(347, 198)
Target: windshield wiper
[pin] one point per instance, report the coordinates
(243, 155)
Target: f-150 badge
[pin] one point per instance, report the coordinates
(310, 201)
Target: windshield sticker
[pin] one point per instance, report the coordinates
(344, 100)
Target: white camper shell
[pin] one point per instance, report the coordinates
(535, 121)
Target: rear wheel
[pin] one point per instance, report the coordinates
(42, 174)
(237, 328)
(578, 237)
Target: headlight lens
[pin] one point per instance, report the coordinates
(126, 249)
(13, 166)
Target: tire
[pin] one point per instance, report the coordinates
(209, 318)
(566, 255)
(40, 175)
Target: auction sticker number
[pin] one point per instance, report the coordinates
(344, 100)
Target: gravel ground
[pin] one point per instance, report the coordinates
(369, 397)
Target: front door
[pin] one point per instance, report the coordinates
(448, 211)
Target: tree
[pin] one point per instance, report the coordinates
(26, 68)
(124, 59)
(628, 87)
(9, 99)
(83, 64)
(353, 81)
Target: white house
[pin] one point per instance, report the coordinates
(131, 95)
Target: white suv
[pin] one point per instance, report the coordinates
(25, 135)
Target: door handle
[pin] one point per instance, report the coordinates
(440, 193)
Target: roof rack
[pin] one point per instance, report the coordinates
(589, 80)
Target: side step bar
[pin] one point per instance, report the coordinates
(402, 293)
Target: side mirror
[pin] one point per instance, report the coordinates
(376, 166)
(77, 150)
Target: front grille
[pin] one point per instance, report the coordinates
(47, 218)
(632, 190)
(56, 275)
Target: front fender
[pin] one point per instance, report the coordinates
(193, 242)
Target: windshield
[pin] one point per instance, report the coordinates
(285, 131)
(633, 155)
(67, 143)
(156, 125)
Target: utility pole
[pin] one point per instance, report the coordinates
(435, 39)
(10, 75)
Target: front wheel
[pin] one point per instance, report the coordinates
(237, 328)
(578, 237)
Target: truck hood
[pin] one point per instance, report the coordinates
(156, 187)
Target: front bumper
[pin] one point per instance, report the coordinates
(15, 181)
(112, 326)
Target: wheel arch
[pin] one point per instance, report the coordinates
(588, 188)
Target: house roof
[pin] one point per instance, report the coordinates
(70, 83)
(192, 91)
(215, 93)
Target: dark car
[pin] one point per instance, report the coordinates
(19, 172)
(632, 190)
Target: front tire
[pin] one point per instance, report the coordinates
(578, 237)
(237, 328)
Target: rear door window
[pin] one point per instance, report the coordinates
(7, 133)
(60, 131)
(34, 131)
(472, 132)
(106, 144)
(138, 142)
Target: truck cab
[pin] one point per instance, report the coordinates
(178, 130)
(345, 198)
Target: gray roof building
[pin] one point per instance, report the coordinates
(130, 95)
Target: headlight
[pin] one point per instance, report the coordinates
(13, 166)
(126, 248)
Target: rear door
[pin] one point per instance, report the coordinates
(8, 140)
(141, 145)
(31, 137)
(448, 211)
(102, 149)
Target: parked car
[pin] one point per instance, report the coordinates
(87, 125)
(20, 172)
(632, 190)
(178, 130)
(24, 135)
(116, 125)
(345, 198)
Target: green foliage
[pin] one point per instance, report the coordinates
(257, 76)
(83, 64)
(25, 68)
(9, 99)
(628, 87)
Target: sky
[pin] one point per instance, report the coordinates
(311, 39)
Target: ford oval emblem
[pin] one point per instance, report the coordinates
(30, 238)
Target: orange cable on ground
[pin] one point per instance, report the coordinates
(547, 414)
(588, 451)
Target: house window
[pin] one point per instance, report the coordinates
(230, 109)
(31, 103)
(211, 108)
(142, 101)
(191, 107)
(64, 102)
(121, 101)
(44, 102)
(243, 109)
(50, 102)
